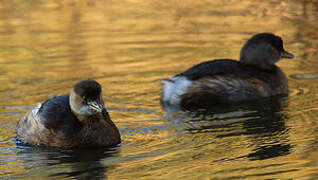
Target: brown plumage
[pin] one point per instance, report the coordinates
(76, 120)
(224, 81)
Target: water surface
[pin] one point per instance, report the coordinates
(46, 47)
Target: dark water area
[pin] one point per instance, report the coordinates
(127, 46)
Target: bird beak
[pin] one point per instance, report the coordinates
(95, 106)
(286, 54)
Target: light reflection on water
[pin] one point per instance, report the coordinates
(128, 46)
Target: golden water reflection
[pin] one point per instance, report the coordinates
(45, 47)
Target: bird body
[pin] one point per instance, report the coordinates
(225, 80)
(56, 123)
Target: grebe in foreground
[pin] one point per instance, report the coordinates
(76, 120)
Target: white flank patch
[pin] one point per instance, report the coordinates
(174, 88)
(36, 109)
(34, 119)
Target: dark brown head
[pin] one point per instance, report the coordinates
(264, 50)
(86, 98)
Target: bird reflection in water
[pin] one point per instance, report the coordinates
(261, 121)
(81, 163)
